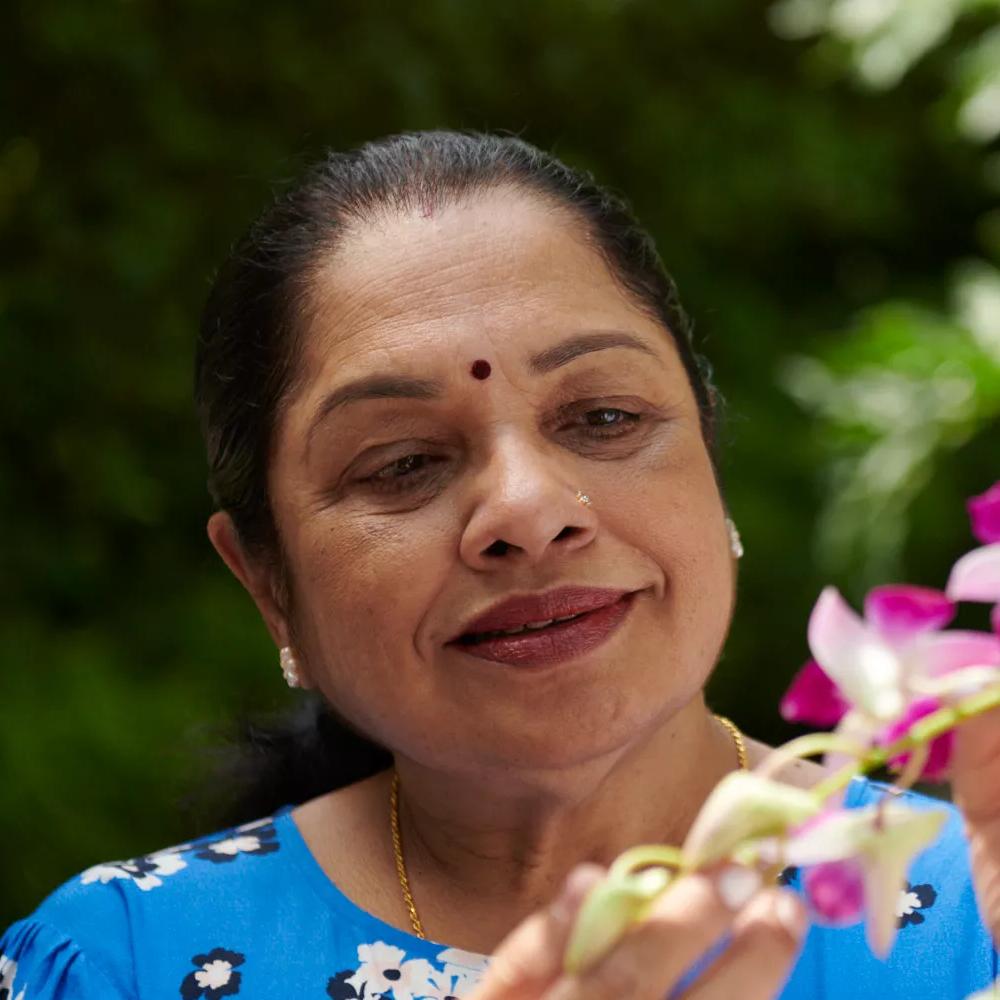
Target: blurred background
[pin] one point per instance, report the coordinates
(822, 178)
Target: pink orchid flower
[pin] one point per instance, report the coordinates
(813, 698)
(858, 860)
(941, 747)
(984, 512)
(976, 576)
(835, 891)
(873, 677)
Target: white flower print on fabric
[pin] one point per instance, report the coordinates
(8, 972)
(145, 872)
(216, 978)
(383, 972)
(912, 900)
(258, 837)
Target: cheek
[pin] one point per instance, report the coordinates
(359, 603)
(667, 505)
(672, 515)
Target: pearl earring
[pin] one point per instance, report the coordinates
(735, 543)
(289, 667)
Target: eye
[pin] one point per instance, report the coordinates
(610, 422)
(404, 473)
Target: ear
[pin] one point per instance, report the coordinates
(257, 578)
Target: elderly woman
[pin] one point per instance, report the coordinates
(462, 452)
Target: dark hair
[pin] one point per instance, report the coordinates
(248, 346)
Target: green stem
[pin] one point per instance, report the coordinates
(644, 855)
(914, 767)
(922, 731)
(807, 746)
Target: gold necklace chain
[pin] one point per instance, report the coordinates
(741, 747)
(397, 842)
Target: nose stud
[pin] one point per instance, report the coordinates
(583, 498)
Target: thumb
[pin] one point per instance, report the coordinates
(530, 958)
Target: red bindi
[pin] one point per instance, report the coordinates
(481, 369)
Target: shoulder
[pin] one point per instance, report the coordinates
(103, 921)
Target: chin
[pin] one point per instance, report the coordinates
(568, 740)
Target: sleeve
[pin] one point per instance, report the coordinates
(38, 962)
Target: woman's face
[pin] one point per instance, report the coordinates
(390, 508)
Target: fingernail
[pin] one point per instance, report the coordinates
(791, 913)
(736, 885)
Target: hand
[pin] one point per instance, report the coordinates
(975, 781)
(654, 954)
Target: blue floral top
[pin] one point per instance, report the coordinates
(249, 913)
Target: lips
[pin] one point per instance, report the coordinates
(540, 646)
(536, 611)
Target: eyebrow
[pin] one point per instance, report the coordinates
(388, 386)
(584, 343)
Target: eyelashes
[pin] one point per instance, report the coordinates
(415, 471)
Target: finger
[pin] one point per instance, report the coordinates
(976, 791)
(976, 767)
(652, 956)
(530, 958)
(767, 938)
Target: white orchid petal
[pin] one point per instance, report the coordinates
(845, 833)
(884, 838)
(742, 806)
(866, 668)
(958, 684)
(945, 652)
(885, 863)
(976, 576)
(883, 884)
(841, 834)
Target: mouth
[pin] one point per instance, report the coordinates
(473, 638)
(546, 642)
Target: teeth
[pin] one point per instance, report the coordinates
(529, 626)
(525, 627)
(534, 625)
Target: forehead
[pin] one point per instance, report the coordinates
(477, 275)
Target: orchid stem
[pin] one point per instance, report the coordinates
(914, 767)
(807, 746)
(921, 732)
(645, 855)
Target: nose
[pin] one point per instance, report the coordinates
(527, 510)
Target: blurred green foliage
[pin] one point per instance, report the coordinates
(835, 242)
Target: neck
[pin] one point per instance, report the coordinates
(505, 841)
